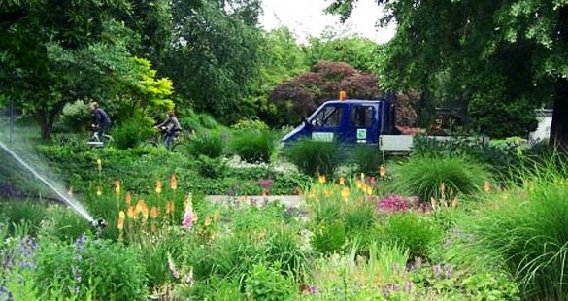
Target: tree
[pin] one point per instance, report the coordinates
(214, 54)
(483, 52)
(361, 53)
(303, 94)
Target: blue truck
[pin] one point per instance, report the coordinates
(354, 121)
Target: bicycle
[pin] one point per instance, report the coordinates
(159, 139)
(95, 141)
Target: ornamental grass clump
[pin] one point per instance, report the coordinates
(525, 230)
(439, 176)
(314, 157)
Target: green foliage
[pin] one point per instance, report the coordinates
(411, 231)
(266, 283)
(367, 159)
(283, 251)
(131, 132)
(75, 116)
(330, 237)
(250, 124)
(314, 157)
(210, 145)
(524, 230)
(15, 213)
(361, 53)
(423, 176)
(207, 121)
(254, 146)
(212, 168)
(104, 270)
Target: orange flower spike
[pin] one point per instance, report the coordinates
(158, 187)
(382, 171)
(128, 198)
(117, 187)
(99, 191)
(154, 212)
(174, 182)
(99, 164)
(187, 202)
(131, 212)
(141, 207)
(120, 220)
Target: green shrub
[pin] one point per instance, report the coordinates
(14, 213)
(131, 132)
(525, 230)
(330, 237)
(410, 231)
(254, 146)
(210, 145)
(212, 168)
(254, 124)
(208, 121)
(314, 157)
(76, 116)
(66, 225)
(367, 159)
(100, 269)
(422, 176)
(215, 289)
(268, 284)
(284, 250)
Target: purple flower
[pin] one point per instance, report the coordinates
(312, 289)
(266, 183)
(437, 269)
(80, 242)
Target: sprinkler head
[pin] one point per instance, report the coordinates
(99, 224)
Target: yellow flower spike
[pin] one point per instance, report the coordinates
(486, 186)
(207, 221)
(187, 202)
(70, 191)
(345, 192)
(158, 187)
(120, 220)
(216, 215)
(154, 212)
(382, 171)
(99, 191)
(99, 164)
(311, 194)
(358, 184)
(174, 182)
(362, 177)
(169, 207)
(128, 198)
(369, 189)
(321, 179)
(341, 180)
(131, 212)
(326, 192)
(117, 187)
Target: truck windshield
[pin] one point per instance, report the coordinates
(328, 117)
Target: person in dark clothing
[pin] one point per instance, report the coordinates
(172, 128)
(102, 120)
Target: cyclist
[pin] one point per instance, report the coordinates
(171, 128)
(101, 117)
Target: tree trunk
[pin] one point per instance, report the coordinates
(46, 123)
(559, 126)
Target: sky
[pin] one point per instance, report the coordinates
(305, 18)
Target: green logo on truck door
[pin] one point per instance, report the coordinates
(361, 134)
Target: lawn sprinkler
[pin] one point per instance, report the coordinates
(99, 224)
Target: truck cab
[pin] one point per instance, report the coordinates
(347, 122)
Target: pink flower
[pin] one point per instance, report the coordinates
(187, 222)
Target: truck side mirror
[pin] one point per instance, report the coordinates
(307, 122)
